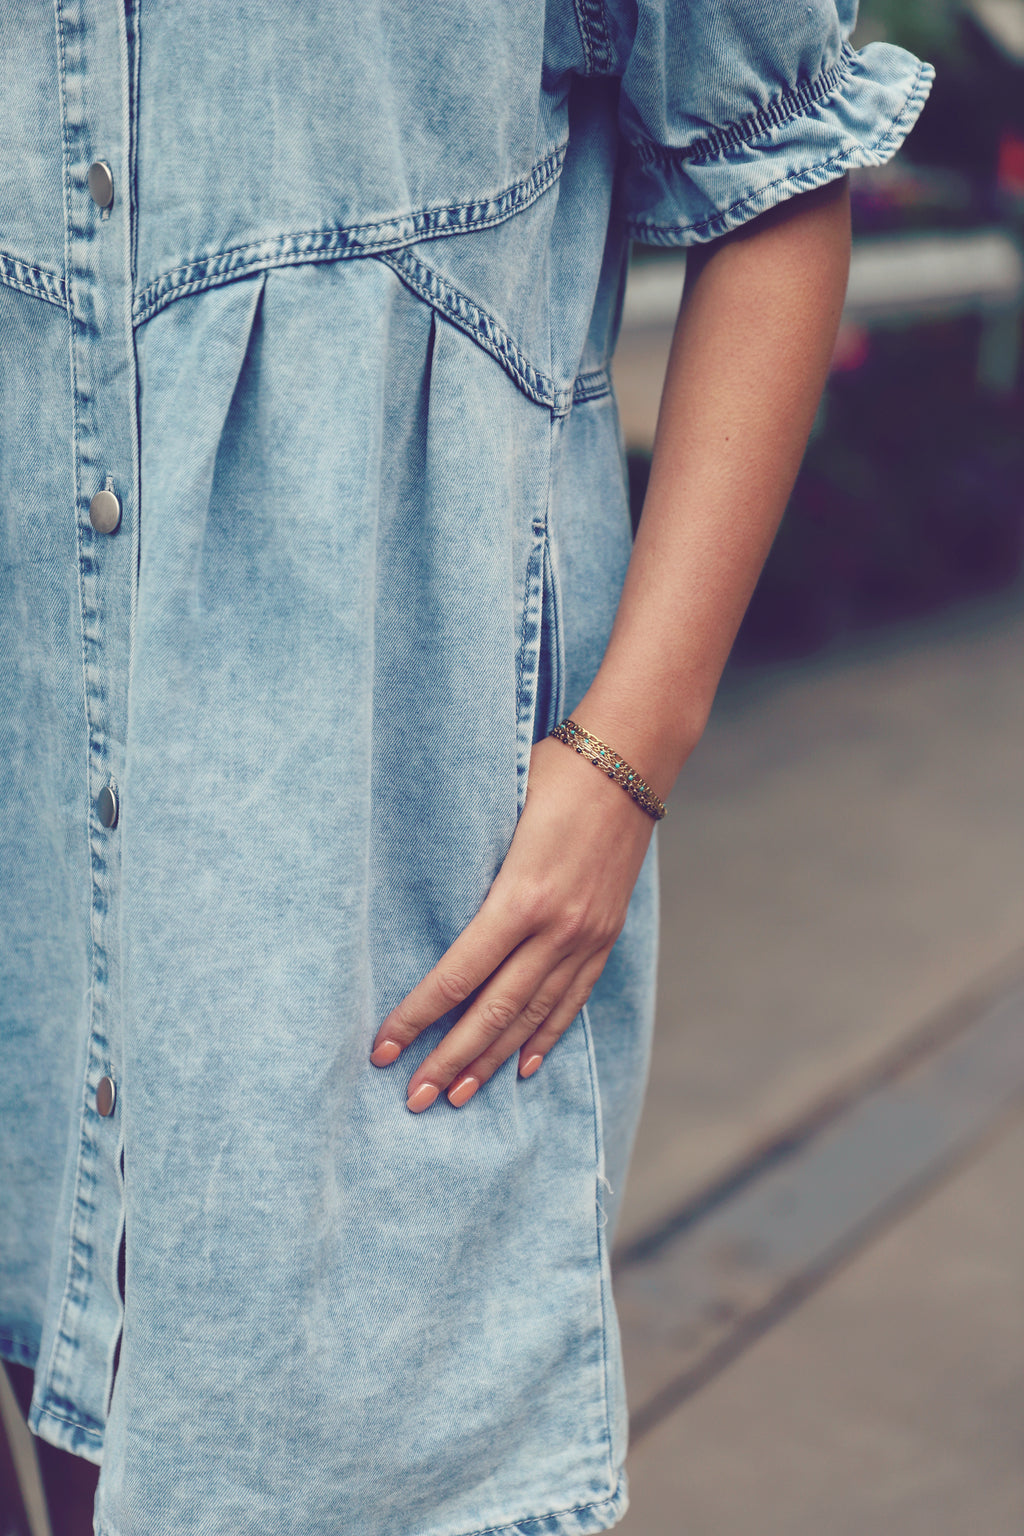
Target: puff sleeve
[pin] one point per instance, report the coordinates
(728, 107)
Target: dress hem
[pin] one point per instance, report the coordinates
(580, 1520)
(18, 1350)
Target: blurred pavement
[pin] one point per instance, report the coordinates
(841, 871)
(890, 1404)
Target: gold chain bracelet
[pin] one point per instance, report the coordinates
(604, 757)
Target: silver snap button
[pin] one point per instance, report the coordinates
(106, 1093)
(101, 184)
(105, 512)
(106, 806)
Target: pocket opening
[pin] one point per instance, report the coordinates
(120, 1281)
(538, 672)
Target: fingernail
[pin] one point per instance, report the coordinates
(463, 1091)
(385, 1053)
(424, 1096)
(530, 1065)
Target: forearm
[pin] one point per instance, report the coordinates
(749, 359)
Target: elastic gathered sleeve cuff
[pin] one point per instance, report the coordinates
(727, 109)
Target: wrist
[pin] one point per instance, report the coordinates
(654, 740)
(608, 760)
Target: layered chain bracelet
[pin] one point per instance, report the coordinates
(604, 757)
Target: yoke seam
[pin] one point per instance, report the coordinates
(334, 243)
(480, 325)
(36, 281)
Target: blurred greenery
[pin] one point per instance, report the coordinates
(926, 27)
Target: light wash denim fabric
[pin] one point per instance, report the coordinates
(340, 345)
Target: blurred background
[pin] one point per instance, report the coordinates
(820, 1263)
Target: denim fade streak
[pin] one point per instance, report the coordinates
(340, 346)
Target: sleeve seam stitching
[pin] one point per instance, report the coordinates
(641, 229)
(791, 103)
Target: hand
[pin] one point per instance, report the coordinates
(532, 954)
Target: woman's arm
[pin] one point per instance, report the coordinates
(749, 359)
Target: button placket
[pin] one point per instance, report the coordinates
(101, 184)
(106, 1097)
(105, 509)
(76, 1351)
(108, 806)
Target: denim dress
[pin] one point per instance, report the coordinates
(313, 519)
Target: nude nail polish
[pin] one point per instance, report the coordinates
(385, 1053)
(424, 1096)
(530, 1065)
(463, 1090)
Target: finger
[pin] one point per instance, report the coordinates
(478, 951)
(539, 1008)
(491, 1014)
(535, 1048)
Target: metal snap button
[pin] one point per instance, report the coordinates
(107, 807)
(106, 1093)
(105, 511)
(101, 184)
